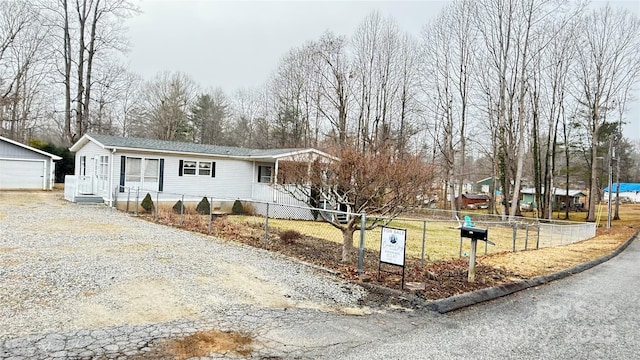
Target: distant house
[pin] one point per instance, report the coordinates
(24, 167)
(484, 185)
(628, 192)
(107, 166)
(561, 198)
(474, 201)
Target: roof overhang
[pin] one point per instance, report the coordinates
(52, 156)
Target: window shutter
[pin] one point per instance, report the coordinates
(161, 179)
(259, 173)
(123, 166)
(213, 169)
(180, 168)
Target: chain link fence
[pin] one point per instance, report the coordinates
(431, 234)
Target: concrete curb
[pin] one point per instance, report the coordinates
(471, 298)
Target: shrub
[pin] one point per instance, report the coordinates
(204, 207)
(290, 236)
(237, 207)
(147, 203)
(178, 207)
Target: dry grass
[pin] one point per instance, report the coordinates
(204, 343)
(549, 260)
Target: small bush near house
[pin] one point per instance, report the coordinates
(178, 207)
(237, 207)
(147, 203)
(290, 236)
(204, 207)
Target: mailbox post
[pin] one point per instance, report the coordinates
(474, 234)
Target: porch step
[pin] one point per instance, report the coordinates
(88, 199)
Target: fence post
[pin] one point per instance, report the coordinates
(424, 237)
(526, 237)
(538, 238)
(363, 225)
(210, 213)
(157, 205)
(182, 210)
(128, 200)
(515, 235)
(137, 198)
(266, 227)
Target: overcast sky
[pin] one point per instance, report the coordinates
(236, 44)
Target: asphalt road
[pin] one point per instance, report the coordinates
(591, 315)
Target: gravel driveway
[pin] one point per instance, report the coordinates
(66, 267)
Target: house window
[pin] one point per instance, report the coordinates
(151, 170)
(204, 168)
(189, 167)
(83, 165)
(264, 174)
(133, 169)
(197, 168)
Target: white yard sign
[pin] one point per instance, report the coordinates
(392, 245)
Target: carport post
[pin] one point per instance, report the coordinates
(363, 225)
(424, 237)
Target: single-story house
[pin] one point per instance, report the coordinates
(113, 167)
(25, 167)
(473, 201)
(484, 185)
(628, 192)
(574, 198)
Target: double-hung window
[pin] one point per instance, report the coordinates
(264, 174)
(197, 168)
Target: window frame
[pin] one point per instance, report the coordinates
(261, 175)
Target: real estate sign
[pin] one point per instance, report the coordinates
(392, 246)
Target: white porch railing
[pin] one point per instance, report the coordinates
(77, 185)
(273, 194)
(70, 187)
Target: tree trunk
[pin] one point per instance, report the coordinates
(347, 242)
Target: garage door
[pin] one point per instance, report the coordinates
(20, 174)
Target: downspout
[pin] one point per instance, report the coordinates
(253, 182)
(113, 151)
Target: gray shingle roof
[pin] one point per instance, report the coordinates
(185, 147)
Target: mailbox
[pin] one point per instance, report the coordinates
(474, 233)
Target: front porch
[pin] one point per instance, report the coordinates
(82, 189)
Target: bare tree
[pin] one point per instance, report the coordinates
(607, 65)
(166, 103)
(378, 184)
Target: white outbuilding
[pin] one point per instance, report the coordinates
(23, 167)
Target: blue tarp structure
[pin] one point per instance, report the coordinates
(624, 187)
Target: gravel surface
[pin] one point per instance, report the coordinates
(66, 267)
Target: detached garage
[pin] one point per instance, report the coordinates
(24, 167)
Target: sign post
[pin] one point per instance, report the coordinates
(392, 249)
